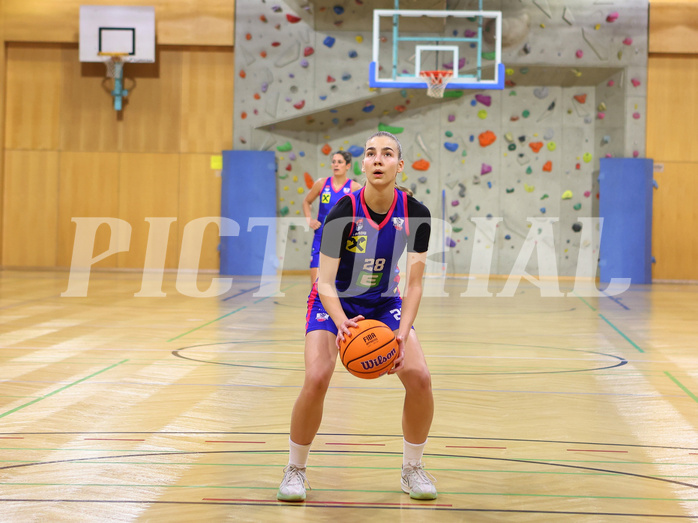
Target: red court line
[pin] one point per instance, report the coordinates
(466, 447)
(364, 503)
(111, 439)
(359, 444)
(693, 453)
(594, 450)
(226, 441)
(11, 437)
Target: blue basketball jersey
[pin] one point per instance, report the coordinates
(368, 262)
(328, 197)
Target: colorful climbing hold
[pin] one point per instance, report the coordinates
(451, 146)
(299, 105)
(308, 180)
(548, 166)
(485, 169)
(581, 98)
(326, 149)
(535, 146)
(421, 165)
(293, 19)
(612, 17)
(487, 138)
(526, 113)
(368, 107)
(484, 99)
(390, 128)
(577, 206)
(482, 114)
(552, 146)
(355, 150)
(587, 157)
(628, 41)
(567, 195)
(329, 41)
(529, 188)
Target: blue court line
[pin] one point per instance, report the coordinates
(617, 300)
(682, 387)
(245, 291)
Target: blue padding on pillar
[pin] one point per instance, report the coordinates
(625, 204)
(249, 191)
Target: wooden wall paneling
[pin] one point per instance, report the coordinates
(207, 100)
(199, 196)
(148, 187)
(88, 187)
(177, 22)
(675, 221)
(3, 83)
(30, 208)
(88, 119)
(673, 27)
(672, 110)
(151, 114)
(34, 78)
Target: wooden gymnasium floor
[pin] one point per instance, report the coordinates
(117, 408)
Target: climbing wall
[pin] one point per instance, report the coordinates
(509, 176)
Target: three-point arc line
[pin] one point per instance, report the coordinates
(596, 450)
(469, 447)
(228, 441)
(359, 444)
(111, 439)
(350, 503)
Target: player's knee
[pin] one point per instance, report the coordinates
(417, 380)
(317, 380)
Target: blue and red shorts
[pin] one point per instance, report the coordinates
(386, 309)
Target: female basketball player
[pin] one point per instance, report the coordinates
(364, 235)
(330, 190)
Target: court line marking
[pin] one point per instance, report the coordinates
(611, 324)
(620, 332)
(61, 389)
(681, 386)
(226, 315)
(292, 506)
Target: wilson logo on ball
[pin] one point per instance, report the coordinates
(376, 362)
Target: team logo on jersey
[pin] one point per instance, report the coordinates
(359, 224)
(322, 316)
(347, 190)
(356, 244)
(397, 223)
(326, 197)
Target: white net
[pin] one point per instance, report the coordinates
(436, 82)
(115, 67)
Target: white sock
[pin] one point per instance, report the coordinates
(298, 454)
(411, 453)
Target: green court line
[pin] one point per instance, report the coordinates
(61, 389)
(682, 387)
(206, 324)
(585, 302)
(621, 333)
(224, 316)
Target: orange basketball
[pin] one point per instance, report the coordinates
(370, 351)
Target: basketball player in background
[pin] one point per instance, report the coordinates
(330, 190)
(365, 234)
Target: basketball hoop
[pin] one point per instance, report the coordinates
(435, 82)
(114, 63)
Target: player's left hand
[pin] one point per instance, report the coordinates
(400, 360)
